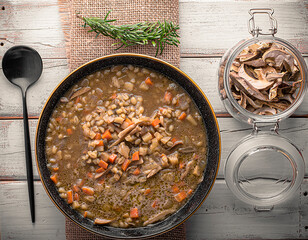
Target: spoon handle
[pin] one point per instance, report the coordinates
(28, 157)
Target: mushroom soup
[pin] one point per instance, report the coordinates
(126, 147)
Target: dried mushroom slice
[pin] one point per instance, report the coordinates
(274, 76)
(256, 63)
(243, 100)
(248, 56)
(275, 57)
(245, 86)
(265, 78)
(265, 111)
(288, 97)
(257, 81)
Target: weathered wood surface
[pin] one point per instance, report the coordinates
(12, 164)
(208, 29)
(207, 26)
(304, 210)
(213, 21)
(221, 216)
(202, 70)
(15, 213)
(211, 27)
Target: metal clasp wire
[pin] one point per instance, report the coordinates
(254, 30)
(276, 127)
(256, 128)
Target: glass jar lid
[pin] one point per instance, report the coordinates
(264, 169)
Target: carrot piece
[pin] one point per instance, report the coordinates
(181, 165)
(58, 119)
(69, 131)
(125, 164)
(113, 96)
(54, 178)
(128, 121)
(77, 100)
(134, 213)
(189, 191)
(180, 196)
(69, 196)
(147, 191)
(155, 122)
(148, 81)
(101, 181)
(100, 143)
(80, 182)
(55, 169)
(137, 171)
(154, 203)
(103, 164)
(135, 156)
(175, 189)
(177, 102)
(88, 190)
(75, 188)
(182, 116)
(98, 136)
(76, 197)
(85, 214)
(168, 96)
(112, 158)
(107, 135)
(173, 140)
(90, 175)
(99, 170)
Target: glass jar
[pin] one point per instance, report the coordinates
(264, 168)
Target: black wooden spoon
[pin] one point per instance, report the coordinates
(23, 66)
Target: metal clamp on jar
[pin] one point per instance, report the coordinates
(262, 81)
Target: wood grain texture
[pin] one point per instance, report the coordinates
(221, 216)
(54, 71)
(205, 17)
(12, 160)
(15, 213)
(208, 29)
(33, 23)
(303, 220)
(202, 70)
(207, 26)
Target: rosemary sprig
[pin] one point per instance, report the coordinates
(156, 33)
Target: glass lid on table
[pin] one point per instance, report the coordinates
(262, 80)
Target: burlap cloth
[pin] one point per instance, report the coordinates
(82, 47)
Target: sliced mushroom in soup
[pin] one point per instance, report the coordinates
(126, 147)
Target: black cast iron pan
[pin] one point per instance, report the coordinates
(213, 152)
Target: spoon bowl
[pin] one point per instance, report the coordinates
(23, 66)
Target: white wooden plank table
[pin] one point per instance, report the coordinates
(208, 29)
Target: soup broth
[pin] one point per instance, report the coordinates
(126, 147)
